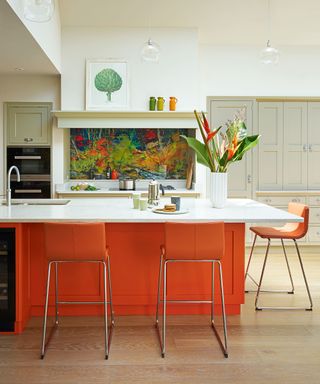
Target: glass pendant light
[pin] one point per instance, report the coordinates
(269, 55)
(150, 51)
(39, 11)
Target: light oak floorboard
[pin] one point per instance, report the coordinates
(264, 347)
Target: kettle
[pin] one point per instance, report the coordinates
(153, 193)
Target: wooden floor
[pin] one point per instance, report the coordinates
(265, 347)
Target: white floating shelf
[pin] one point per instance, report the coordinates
(125, 119)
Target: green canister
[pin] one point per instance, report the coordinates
(152, 104)
(160, 103)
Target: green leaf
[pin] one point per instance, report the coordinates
(224, 159)
(246, 144)
(200, 149)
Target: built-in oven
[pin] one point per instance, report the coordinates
(35, 172)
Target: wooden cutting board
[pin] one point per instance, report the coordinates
(189, 174)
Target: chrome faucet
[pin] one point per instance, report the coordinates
(8, 182)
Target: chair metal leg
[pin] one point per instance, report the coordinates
(304, 276)
(288, 267)
(261, 277)
(162, 332)
(110, 291)
(249, 262)
(56, 295)
(159, 289)
(44, 328)
(250, 257)
(164, 309)
(212, 293)
(225, 345)
(105, 304)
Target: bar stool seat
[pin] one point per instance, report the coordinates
(77, 243)
(191, 242)
(290, 231)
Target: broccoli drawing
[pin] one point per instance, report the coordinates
(108, 81)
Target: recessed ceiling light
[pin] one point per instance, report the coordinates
(19, 69)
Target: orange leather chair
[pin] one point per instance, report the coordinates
(191, 242)
(290, 231)
(64, 244)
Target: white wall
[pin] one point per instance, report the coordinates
(32, 88)
(237, 71)
(47, 35)
(175, 75)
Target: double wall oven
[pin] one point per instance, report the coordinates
(35, 172)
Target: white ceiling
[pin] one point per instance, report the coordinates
(231, 22)
(222, 22)
(18, 48)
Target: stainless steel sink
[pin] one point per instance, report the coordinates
(39, 202)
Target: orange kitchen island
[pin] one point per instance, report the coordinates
(134, 238)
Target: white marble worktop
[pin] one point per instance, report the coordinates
(120, 210)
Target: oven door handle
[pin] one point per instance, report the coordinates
(28, 190)
(27, 157)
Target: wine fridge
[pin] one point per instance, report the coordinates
(7, 279)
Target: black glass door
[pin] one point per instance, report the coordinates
(7, 279)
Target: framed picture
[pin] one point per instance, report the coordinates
(106, 84)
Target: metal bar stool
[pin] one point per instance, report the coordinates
(64, 243)
(290, 231)
(192, 242)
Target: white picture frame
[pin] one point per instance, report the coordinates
(101, 92)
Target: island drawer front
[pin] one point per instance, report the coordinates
(281, 200)
(314, 200)
(315, 215)
(314, 234)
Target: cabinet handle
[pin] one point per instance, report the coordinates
(28, 191)
(310, 148)
(305, 147)
(28, 139)
(249, 179)
(27, 157)
(295, 200)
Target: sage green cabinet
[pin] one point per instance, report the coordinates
(28, 124)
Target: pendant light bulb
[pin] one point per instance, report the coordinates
(39, 11)
(270, 55)
(150, 51)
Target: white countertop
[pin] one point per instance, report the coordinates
(119, 210)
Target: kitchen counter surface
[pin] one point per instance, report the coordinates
(119, 210)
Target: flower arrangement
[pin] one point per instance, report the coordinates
(221, 148)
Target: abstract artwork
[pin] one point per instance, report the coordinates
(134, 153)
(107, 84)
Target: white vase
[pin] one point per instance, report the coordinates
(218, 189)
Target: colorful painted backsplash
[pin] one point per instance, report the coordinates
(137, 153)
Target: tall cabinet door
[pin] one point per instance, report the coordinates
(239, 173)
(270, 118)
(295, 155)
(313, 145)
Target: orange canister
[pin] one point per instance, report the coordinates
(173, 103)
(160, 103)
